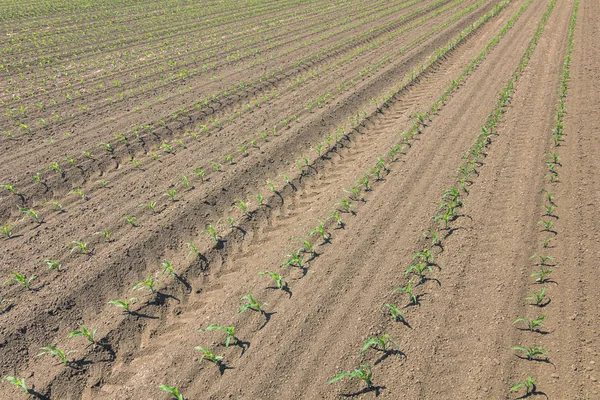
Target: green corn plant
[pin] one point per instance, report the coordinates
(354, 194)
(363, 372)
(200, 173)
(7, 230)
(543, 259)
(107, 235)
(260, 200)
(419, 269)
(210, 229)
(434, 236)
(56, 352)
(80, 193)
(242, 206)
(555, 159)
(151, 205)
(208, 355)
(89, 334)
(395, 313)
(131, 220)
(171, 193)
(167, 148)
(229, 330)
(345, 205)
(549, 196)
(125, 304)
(335, 215)
(56, 167)
(542, 274)
(216, 166)
(37, 178)
(295, 259)
(546, 224)
(229, 159)
(87, 154)
(251, 304)
(271, 186)
(528, 384)
(193, 250)
(20, 383)
(52, 264)
(150, 283)
(532, 324)
(383, 343)
(531, 353)
(107, 146)
(320, 229)
(21, 279)
(185, 182)
(546, 242)
(408, 290)
(173, 390)
(102, 184)
(57, 206)
(446, 218)
(549, 210)
(365, 182)
(134, 162)
(30, 213)
(425, 256)
(276, 277)
(79, 245)
(9, 188)
(537, 297)
(167, 267)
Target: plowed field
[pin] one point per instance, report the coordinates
(357, 199)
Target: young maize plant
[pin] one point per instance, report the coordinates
(216, 166)
(531, 353)
(171, 193)
(229, 330)
(295, 259)
(151, 205)
(547, 225)
(125, 304)
(543, 259)
(106, 233)
(528, 384)
(30, 213)
(200, 173)
(20, 383)
(395, 313)
(79, 245)
(173, 390)
(363, 372)
(408, 290)
(271, 186)
(546, 242)
(90, 335)
(532, 324)
(134, 162)
(345, 205)
(542, 274)
(208, 355)
(56, 167)
(251, 304)
(335, 215)
(383, 343)
(56, 352)
(277, 278)
(150, 283)
(131, 220)
(193, 250)
(419, 269)
(167, 267)
(9, 188)
(320, 229)
(103, 184)
(52, 264)
(537, 297)
(7, 230)
(57, 206)
(354, 194)
(210, 229)
(107, 146)
(80, 193)
(242, 206)
(260, 200)
(307, 247)
(550, 210)
(21, 279)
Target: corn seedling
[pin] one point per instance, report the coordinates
(419, 269)
(306, 246)
(79, 245)
(547, 225)
(7, 230)
(529, 386)
(131, 221)
(354, 193)
(106, 233)
(8, 188)
(271, 186)
(173, 390)
(20, 383)
(216, 166)
(408, 290)
(229, 330)
(276, 277)
(185, 182)
(208, 355)
(168, 267)
(383, 343)
(260, 200)
(242, 206)
(150, 283)
(546, 242)
(549, 210)
(56, 167)
(542, 274)
(531, 353)
(537, 297)
(543, 259)
(395, 313)
(363, 372)
(532, 324)
(151, 205)
(193, 250)
(57, 206)
(210, 229)
(52, 264)
(134, 162)
(56, 352)
(295, 259)
(251, 304)
(21, 279)
(102, 184)
(124, 304)
(80, 193)
(90, 335)
(171, 193)
(200, 173)
(335, 215)
(320, 229)
(30, 213)
(107, 146)
(345, 205)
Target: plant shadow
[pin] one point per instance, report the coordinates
(387, 354)
(376, 389)
(267, 316)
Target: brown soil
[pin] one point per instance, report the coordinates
(456, 343)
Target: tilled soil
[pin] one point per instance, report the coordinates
(455, 343)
